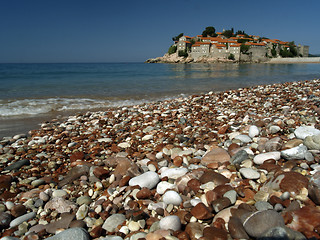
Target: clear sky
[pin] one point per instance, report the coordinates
(128, 31)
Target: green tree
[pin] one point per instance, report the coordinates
(209, 31)
(231, 57)
(228, 33)
(244, 48)
(182, 53)
(172, 49)
(176, 38)
(193, 41)
(242, 40)
(293, 49)
(239, 32)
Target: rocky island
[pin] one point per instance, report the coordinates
(227, 46)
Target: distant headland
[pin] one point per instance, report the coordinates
(227, 46)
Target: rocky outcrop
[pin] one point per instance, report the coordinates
(170, 58)
(174, 58)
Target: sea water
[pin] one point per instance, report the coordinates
(32, 93)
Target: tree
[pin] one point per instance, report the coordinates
(231, 57)
(244, 48)
(182, 53)
(293, 49)
(228, 33)
(172, 49)
(209, 31)
(176, 38)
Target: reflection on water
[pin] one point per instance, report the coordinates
(216, 77)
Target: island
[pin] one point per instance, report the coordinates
(227, 46)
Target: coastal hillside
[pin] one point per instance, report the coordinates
(228, 46)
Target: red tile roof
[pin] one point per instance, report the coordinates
(235, 45)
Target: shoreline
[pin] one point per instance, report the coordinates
(205, 165)
(180, 60)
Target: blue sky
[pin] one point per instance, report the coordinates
(132, 31)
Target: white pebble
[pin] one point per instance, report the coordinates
(253, 131)
(147, 179)
(174, 173)
(163, 186)
(172, 197)
(170, 222)
(260, 158)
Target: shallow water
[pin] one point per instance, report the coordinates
(32, 93)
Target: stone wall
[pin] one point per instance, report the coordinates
(295, 60)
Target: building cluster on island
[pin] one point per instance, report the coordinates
(222, 47)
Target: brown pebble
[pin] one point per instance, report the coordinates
(100, 172)
(124, 181)
(194, 184)
(96, 231)
(144, 193)
(18, 210)
(5, 181)
(200, 211)
(214, 233)
(177, 161)
(236, 229)
(76, 156)
(77, 223)
(220, 203)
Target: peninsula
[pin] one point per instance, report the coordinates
(227, 46)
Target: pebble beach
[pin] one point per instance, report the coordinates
(237, 164)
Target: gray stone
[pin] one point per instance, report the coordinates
(263, 205)
(139, 235)
(243, 138)
(10, 238)
(155, 226)
(285, 196)
(82, 212)
(260, 222)
(274, 144)
(314, 188)
(74, 174)
(112, 222)
(283, 233)
(239, 157)
(111, 238)
(249, 173)
(232, 195)
(84, 200)
(71, 234)
(312, 142)
(5, 219)
(61, 205)
(43, 196)
(274, 129)
(22, 219)
(18, 164)
(278, 207)
(37, 182)
(304, 131)
(297, 153)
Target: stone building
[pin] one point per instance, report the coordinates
(303, 51)
(221, 47)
